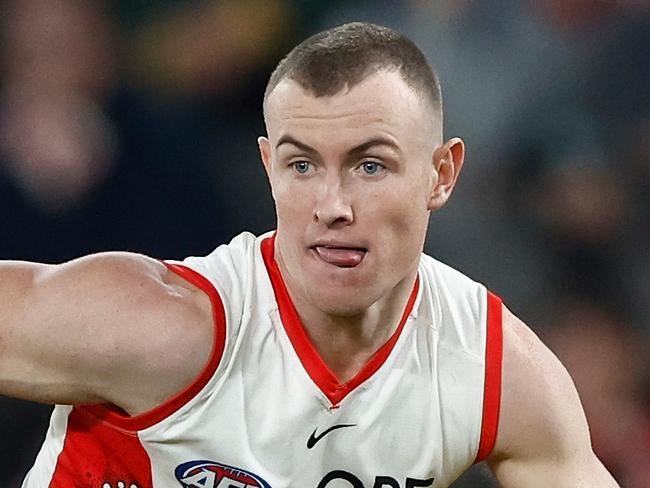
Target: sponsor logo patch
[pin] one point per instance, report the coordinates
(209, 474)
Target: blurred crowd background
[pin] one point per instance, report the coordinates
(131, 125)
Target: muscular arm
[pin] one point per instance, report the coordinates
(543, 438)
(114, 327)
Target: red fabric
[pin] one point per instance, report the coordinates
(318, 371)
(492, 388)
(95, 453)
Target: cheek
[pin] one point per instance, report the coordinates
(409, 223)
(292, 202)
(404, 203)
(405, 217)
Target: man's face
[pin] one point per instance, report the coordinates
(353, 177)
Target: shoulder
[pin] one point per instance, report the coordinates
(120, 280)
(230, 265)
(458, 305)
(542, 432)
(538, 395)
(116, 328)
(443, 272)
(234, 270)
(450, 284)
(144, 322)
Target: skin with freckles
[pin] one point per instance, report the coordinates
(354, 177)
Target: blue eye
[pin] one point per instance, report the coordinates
(371, 167)
(301, 167)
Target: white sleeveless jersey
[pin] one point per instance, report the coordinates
(267, 412)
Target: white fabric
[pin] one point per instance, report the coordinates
(43, 469)
(417, 417)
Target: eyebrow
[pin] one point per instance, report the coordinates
(375, 141)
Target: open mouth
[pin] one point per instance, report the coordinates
(343, 257)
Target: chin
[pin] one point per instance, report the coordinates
(339, 310)
(341, 302)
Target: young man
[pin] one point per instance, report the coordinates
(330, 353)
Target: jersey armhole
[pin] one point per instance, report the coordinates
(492, 385)
(118, 418)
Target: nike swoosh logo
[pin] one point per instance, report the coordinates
(313, 438)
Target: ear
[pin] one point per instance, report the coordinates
(447, 160)
(265, 153)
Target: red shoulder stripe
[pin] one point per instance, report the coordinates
(492, 387)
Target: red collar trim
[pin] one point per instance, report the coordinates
(316, 368)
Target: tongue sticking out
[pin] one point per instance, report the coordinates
(343, 257)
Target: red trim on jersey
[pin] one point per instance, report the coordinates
(120, 419)
(94, 453)
(316, 368)
(492, 388)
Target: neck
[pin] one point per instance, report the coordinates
(347, 342)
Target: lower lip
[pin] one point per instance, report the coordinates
(342, 258)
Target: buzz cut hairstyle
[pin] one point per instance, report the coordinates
(340, 58)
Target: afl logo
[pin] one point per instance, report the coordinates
(208, 474)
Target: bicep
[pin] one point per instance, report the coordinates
(543, 437)
(65, 328)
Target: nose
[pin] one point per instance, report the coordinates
(333, 207)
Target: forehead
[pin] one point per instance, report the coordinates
(382, 102)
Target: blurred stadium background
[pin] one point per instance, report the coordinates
(131, 125)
